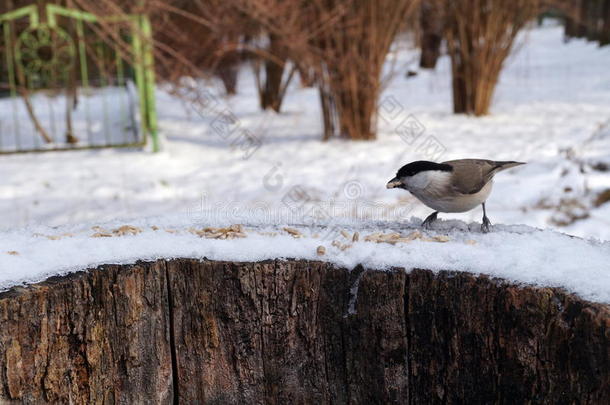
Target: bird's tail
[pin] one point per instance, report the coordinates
(499, 166)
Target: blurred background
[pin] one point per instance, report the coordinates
(115, 109)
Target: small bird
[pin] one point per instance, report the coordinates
(452, 186)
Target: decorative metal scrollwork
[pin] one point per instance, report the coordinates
(44, 51)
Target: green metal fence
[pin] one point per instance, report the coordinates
(66, 82)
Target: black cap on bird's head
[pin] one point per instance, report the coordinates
(413, 168)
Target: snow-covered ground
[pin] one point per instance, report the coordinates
(551, 109)
(517, 253)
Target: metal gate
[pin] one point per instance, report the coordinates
(67, 82)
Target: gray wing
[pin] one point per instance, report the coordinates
(471, 175)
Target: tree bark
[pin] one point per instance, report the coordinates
(328, 109)
(227, 71)
(585, 5)
(92, 337)
(431, 23)
(276, 332)
(272, 92)
(604, 37)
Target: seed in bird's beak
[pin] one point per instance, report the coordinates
(393, 183)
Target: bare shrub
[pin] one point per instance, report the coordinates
(280, 46)
(342, 44)
(207, 33)
(271, 79)
(431, 33)
(480, 35)
(345, 44)
(587, 19)
(194, 38)
(351, 56)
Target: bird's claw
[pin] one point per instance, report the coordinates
(427, 224)
(485, 226)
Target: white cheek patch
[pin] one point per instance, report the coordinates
(419, 181)
(433, 178)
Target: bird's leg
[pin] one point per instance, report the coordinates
(428, 221)
(486, 222)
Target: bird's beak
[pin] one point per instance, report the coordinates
(393, 183)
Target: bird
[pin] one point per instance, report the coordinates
(451, 186)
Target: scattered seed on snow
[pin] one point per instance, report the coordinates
(340, 245)
(231, 232)
(126, 229)
(294, 232)
(413, 235)
(55, 237)
(101, 235)
(394, 237)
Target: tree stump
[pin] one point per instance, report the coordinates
(294, 331)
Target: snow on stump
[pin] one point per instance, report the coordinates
(297, 331)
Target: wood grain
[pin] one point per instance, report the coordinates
(303, 332)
